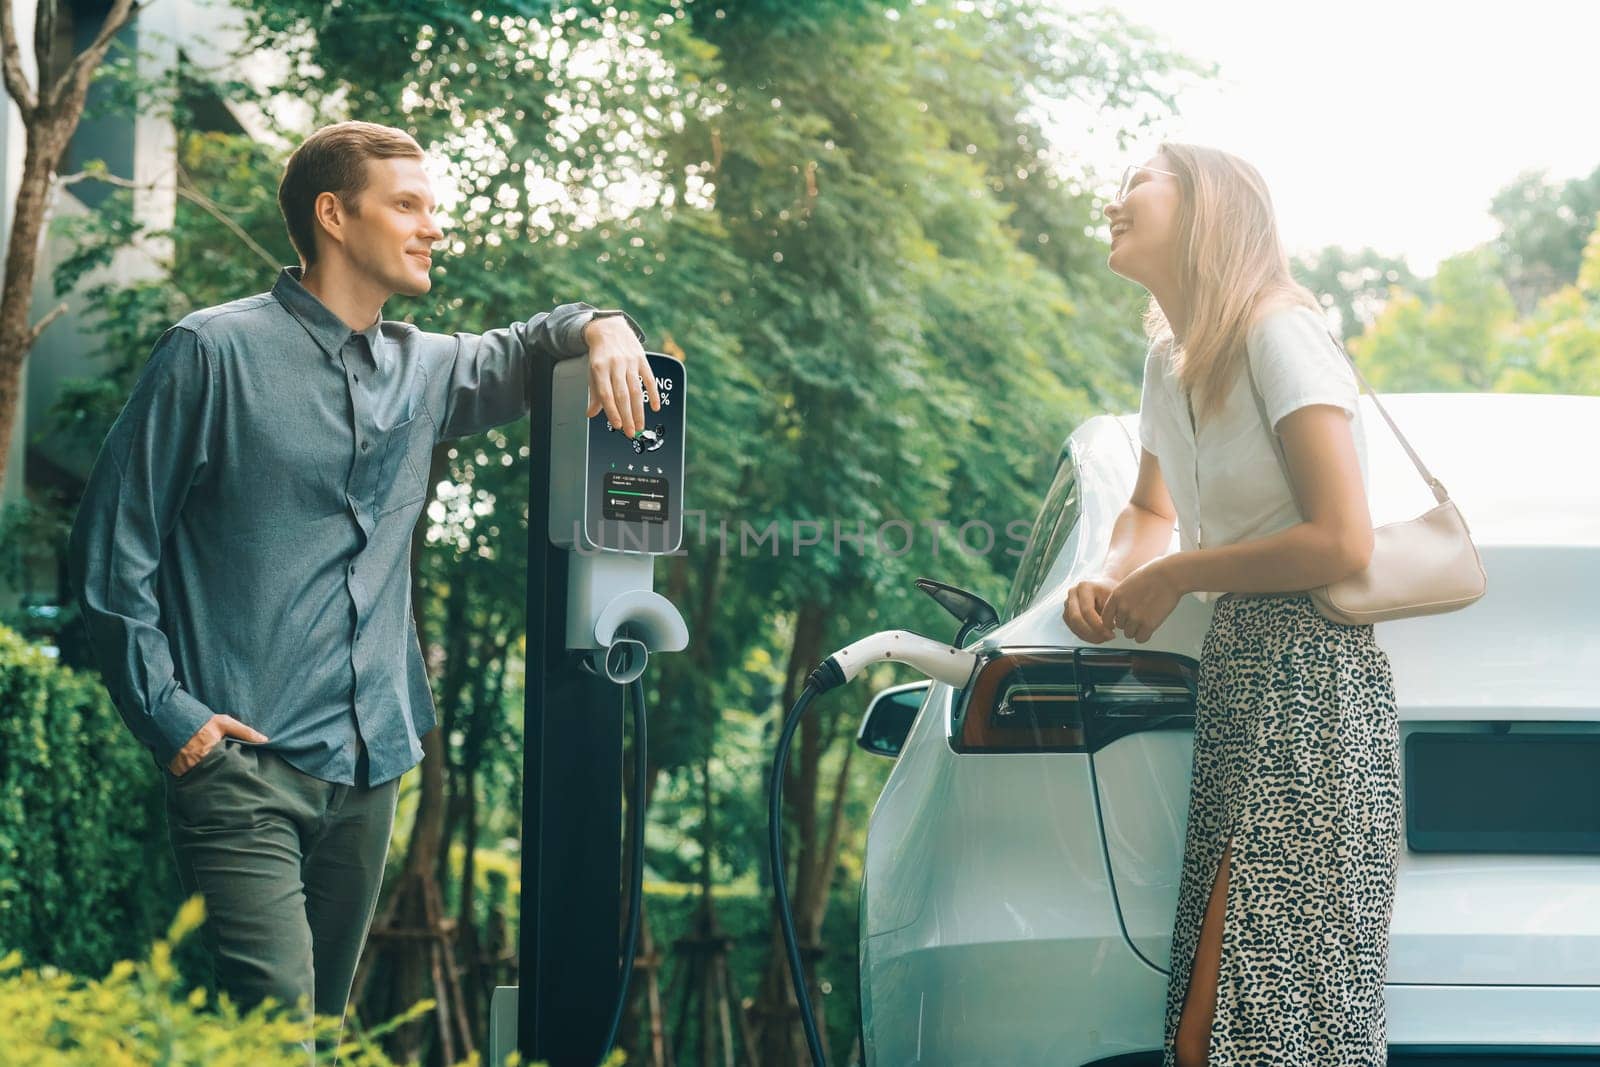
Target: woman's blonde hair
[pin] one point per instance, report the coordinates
(1230, 262)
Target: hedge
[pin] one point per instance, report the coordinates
(86, 874)
(140, 1015)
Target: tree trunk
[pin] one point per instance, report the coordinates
(17, 334)
(50, 116)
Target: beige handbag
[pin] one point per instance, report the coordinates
(1422, 566)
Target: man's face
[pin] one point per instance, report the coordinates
(391, 232)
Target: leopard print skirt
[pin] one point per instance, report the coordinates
(1297, 762)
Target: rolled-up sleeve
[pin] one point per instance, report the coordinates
(155, 451)
(490, 372)
(1297, 363)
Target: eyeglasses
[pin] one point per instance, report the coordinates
(1127, 178)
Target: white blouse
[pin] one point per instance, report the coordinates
(1227, 485)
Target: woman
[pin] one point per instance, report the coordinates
(1281, 937)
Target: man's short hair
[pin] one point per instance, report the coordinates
(334, 160)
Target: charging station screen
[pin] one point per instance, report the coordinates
(635, 498)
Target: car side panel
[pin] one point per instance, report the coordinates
(992, 936)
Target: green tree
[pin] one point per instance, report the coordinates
(1543, 227)
(1357, 285)
(1516, 314)
(875, 189)
(1558, 346)
(1458, 337)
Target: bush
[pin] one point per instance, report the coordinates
(139, 1015)
(86, 873)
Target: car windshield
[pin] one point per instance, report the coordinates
(1057, 517)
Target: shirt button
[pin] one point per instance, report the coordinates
(363, 446)
(358, 635)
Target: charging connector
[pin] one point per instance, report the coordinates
(944, 663)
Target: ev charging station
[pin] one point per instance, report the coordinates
(599, 511)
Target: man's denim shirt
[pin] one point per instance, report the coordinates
(243, 545)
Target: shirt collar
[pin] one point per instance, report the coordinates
(326, 328)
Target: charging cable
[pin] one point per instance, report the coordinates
(630, 941)
(944, 663)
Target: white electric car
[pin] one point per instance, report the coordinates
(1022, 861)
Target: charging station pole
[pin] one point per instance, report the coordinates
(571, 807)
(591, 622)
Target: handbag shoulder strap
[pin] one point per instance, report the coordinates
(1272, 437)
(1440, 494)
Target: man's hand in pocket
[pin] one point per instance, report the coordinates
(207, 737)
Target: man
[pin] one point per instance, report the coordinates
(242, 555)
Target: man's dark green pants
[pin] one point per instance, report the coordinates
(289, 866)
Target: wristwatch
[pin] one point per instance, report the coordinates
(607, 313)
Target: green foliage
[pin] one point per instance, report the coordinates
(1355, 284)
(1454, 339)
(29, 532)
(1558, 346)
(85, 875)
(139, 1015)
(1520, 313)
(1543, 228)
(1466, 333)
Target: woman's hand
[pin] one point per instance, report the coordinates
(1082, 612)
(1143, 600)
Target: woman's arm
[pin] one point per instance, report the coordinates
(1142, 532)
(1143, 529)
(1334, 539)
